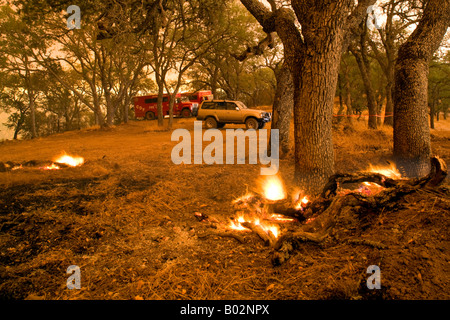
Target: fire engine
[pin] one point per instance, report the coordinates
(196, 98)
(146, 106)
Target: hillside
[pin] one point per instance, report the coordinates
(127, 219)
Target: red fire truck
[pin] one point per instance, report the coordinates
(196, 98)
(146, 106)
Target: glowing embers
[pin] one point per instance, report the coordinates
(389, 171)
(65, 160)
(369, 182)
(242, 223)
(255, 211)
(71, 161)
(51, 167)
(60, 162)
(273, 188)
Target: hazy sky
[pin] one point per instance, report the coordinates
(5, 133)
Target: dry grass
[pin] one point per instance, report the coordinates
(127, 219)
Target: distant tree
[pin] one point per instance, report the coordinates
(14, 102)
(16, 51)
(283, 101)
(438, 89)
(360, 52)
(104, 52)
(346, 86)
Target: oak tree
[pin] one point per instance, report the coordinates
(314, 35)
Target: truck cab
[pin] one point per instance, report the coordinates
(146, 107)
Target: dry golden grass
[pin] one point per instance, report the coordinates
(127, 219)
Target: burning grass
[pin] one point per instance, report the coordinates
(127, 218)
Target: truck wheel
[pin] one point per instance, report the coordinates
(251, 123)
(150, 116)
(185, 113)
(210, 123)
(261, 125)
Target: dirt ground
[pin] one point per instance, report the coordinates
(126, 218)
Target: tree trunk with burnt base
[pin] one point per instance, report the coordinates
(412, 145)
(313, 56)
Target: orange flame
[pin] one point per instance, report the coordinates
(273, 188)
(280, 218)
(236, 224)
(268, 228)
(72, 161)
(390, 172)
(302, 203)
(51, 167)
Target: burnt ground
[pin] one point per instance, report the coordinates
(126, 218)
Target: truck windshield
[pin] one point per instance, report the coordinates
(241, 105)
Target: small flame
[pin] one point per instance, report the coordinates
(268, 228)
(280, 218)
(244, 198)
(72, 161)
(302, 203)
(236, 224)
(272, 229)
(273, 188)
(370, 188)
(390, 172)
(51, 167)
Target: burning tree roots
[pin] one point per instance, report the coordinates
(337, 215)
(348, 204)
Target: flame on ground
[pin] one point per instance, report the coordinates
(273, 188)
(244, 198)
(72, 161)
(51, 167)
(390, 171)
(280, 218)
(268, 228)
(302, 203)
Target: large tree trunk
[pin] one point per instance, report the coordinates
(412, 146)
(283, 106)
(313, 113)
(313, 56)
